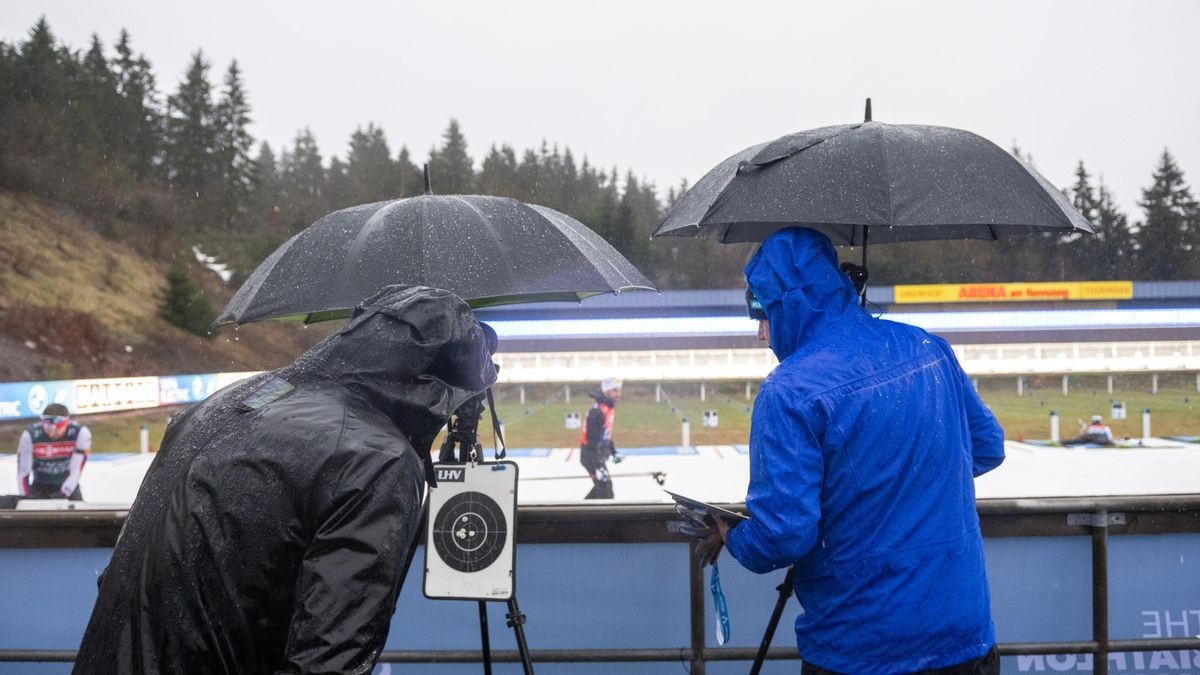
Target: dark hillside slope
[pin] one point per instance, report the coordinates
(78, 304)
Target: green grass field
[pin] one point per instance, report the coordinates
(539, 423)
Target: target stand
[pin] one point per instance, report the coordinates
(470, 543)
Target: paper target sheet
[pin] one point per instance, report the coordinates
(470, 551)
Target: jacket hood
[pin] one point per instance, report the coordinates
(412, 352)
(795, 275)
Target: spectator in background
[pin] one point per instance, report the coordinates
(51, 455)
(595, 440)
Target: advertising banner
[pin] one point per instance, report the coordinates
(26, 400)
(23, 400)
(111, 394)
(1015, 292)
(182, 389)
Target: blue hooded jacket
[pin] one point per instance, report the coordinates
(863, 446)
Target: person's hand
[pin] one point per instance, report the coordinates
(695, 523)
(617, 459)
(709, 548)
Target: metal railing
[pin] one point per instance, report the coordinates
(1097, 518)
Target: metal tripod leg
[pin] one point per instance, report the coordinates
(516, 621)
(483, 632)
(785, 592)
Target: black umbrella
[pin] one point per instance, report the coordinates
(888, 182)
(487, 250)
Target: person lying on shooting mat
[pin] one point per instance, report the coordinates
(596, 438)
(1096, 433)
(270, 532)
(864, 441)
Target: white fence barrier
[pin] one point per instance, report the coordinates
(21, 400)
(754, 364)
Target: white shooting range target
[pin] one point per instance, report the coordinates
(470, 545)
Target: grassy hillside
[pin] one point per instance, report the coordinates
(79, 298)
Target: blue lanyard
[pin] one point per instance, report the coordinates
(718, 596)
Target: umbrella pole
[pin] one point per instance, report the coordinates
(862, 300)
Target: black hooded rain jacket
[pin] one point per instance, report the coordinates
(270, 532)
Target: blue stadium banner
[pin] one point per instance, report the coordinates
(182, 389)
(22, 400)
(25, 400)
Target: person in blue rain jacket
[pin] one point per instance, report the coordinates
(864, 443)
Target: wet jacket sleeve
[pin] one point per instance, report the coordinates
(987, 438)
(784, 496)
(24, 462)
(83, 443)
(595, 428)
(349, 579)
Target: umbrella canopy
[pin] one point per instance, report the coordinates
(885, 182)
(487, 250)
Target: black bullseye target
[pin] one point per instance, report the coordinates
(469, 532)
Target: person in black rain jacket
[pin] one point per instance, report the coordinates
(270, 532)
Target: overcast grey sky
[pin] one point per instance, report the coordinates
(668, 89)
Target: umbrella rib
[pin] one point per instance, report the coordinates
(496, 238)
(887, 179)
(581, 241)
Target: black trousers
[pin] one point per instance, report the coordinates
(51, 492)
(988, 664)
(601, 484)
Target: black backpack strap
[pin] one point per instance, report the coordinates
(501, 450)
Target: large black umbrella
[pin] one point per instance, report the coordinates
(487, 250)
(872, 181)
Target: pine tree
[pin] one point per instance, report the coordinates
(6, 73)
(99, 89)
(1105, 254)
(38, 73)
(411, 182)
(1169, 239)
(588, 192)
(41, 131)
(621, 230)
(1079, 254)
(529, 177)
(232, 143)
(183, 304)
(1024, 257)
(1115, 239)
(191, 133)
(302, 176)
(498, 175)
(451, 168)
(266, 197)
(139, 121)
(568, 185)
(338, 191)
(371, 175)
